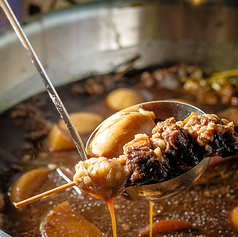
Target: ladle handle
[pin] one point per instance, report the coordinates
(49, 87)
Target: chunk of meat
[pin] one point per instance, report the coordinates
(216, 135)
(142, 161)
(32, 120)
(101, 177)
(178, 149)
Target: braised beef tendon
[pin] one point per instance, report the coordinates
(217, 136)
(183, 144)
(142, 162)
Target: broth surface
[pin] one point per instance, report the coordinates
(206, 205)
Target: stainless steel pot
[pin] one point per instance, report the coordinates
(93, 38)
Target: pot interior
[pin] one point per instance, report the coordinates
(96, 42)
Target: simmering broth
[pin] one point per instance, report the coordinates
(206, 206)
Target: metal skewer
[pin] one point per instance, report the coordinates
(49, 86)
(3, 234)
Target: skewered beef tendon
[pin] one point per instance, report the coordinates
(173, 148)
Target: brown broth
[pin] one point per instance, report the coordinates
(206, 205)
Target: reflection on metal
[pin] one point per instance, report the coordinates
(198, 2)
(3, 234)
(77, 189)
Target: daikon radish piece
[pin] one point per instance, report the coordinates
(122, 98)
(64, 221)
(28, 184)
(59, 137)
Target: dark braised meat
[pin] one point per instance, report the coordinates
(217, 136)
(176, 147)
(170, 152)
(142, 161)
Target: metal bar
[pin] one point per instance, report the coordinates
(49, 86)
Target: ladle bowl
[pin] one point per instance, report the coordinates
(163, 110)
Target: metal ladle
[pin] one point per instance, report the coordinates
(162, 110)
(152, 192)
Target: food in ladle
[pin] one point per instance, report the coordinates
(101, 177)
(122, 98)
(59, 137)
(119, 129)
(174, 148)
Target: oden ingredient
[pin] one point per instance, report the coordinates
(59, 137)
(122, 98)
(119, 129)
(101, 177)
(63, 221)
(28, 184)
